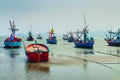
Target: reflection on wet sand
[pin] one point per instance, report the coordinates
(13, 55)
(42, 66)
(84, 52)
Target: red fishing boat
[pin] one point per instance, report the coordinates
(37, 53)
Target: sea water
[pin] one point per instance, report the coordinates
(65, 62)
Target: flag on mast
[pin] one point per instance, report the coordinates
(52, 30)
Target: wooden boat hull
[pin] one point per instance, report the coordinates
(35, 55)
(39, 37)
(12, 44)
(15, 43)
(110, 43)
(51, 41)
(65, 39)
(70, 39)
(84, 45)
(30, 39)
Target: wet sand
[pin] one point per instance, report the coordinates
(61, 59)
(65, 63)
(68, 59)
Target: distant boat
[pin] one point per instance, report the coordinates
(13, 41)
(85, 42)
(114, 38)
(65, 36)
(30, 37)
(71, 37)
(39, 36)
(52, 38)
(37, 53)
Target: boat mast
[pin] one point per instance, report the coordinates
(13, 27)
(118, 32)
(30, 34)
(84, 30)
(77, 33)
(110, 33)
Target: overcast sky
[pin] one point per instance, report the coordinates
(64, 15)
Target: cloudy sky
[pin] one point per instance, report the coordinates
(64, 15)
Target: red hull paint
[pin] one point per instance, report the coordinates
(37, 56)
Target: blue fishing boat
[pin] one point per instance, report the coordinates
(84, 45)
(114, 38)
(82, 40)
(52, 38)
(13, 41)
(71, 37)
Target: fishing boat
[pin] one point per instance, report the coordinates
(114, 38)
(71, 37)
(12, 41)
(52, 38)
(39, 36)
(30, 38)
(65, 36)
(82, 40)
(37, 52)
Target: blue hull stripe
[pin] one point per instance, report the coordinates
(12, 44)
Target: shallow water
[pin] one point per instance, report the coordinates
(65, 63)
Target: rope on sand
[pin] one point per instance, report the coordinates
(103, 64)
(108, 53)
